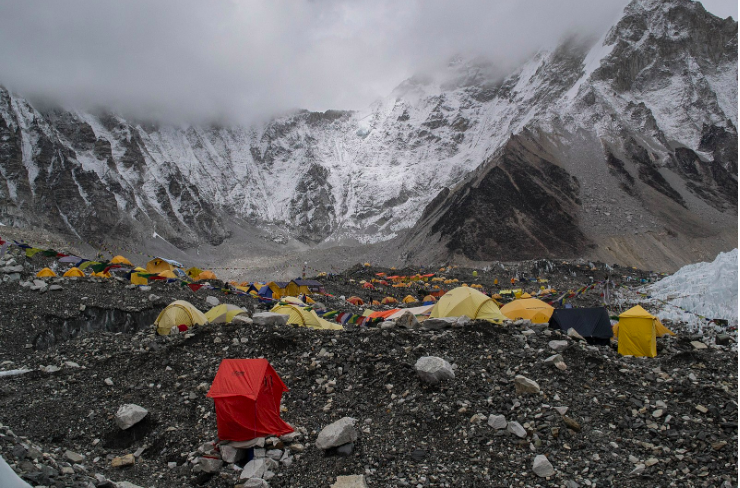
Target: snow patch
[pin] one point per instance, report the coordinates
(706, 289)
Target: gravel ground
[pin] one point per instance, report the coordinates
(665, 421)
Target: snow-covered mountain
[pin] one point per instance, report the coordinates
(634, 132)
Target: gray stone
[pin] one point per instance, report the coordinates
(498, 422)
(516, 429)
(255, 483)
(340, 432)
(154, 298)
(145, 288)
(231, 454)
(55, 288)
(291, 436)
(439, 323)
(254, 469)
(210, 465)
(698, 345)
(130, 414)
(407, 320)
(73, 457)
(525, 385)
(242, 319)
(256, 442)
(50, 368)
(13, 269)
(269, 318)
(126, 484)
(573, 334)
(351, 481)
(639, 469)
(275, 454)
(542, 466)
(387, 325)
(561, 410)
(12, 277)
(558, 346)
(723, 340)
(432, 369)
(555, 358)
(212, 301)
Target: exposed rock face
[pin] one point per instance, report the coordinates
(638, 127)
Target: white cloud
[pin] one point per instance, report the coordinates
(189, 59)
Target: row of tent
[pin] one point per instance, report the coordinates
(636, 331)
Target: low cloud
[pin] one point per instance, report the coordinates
(188, 60)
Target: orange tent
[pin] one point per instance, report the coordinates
(368, 286)
(356, 301)
(388, 301)
(206, 275)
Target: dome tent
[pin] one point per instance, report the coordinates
(224, 313)
(176, 314)
(531, 309)
(469, 302)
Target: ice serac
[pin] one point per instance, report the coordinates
(624, 147)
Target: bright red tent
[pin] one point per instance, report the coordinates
(247, 393)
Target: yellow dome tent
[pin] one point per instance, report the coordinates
(525, 295)
(388, 301)
(193, 272)
(101, 274)
(305, 317)
(207, 275)
(179, 313)
(168, 274)
(410, 299)
(636, 333)
(73, 273)
(45, 273)
(121, 260)
(467, 301)
(139, 269)
(224, 313)
(532, 309)
(157, 265)
(137, 279)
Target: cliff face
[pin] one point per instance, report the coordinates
(637, 128)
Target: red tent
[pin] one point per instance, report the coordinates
(247, 394)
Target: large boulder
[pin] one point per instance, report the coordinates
(269, 318)
(439, 323)
(129, 415)
(340, 432)
(558, 346)
(407, 320)
(432, 369)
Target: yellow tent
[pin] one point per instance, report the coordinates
(410, 299)
(140, 269)
(207, 275)
(137, 279)
(467, 301)
(100, 274)
(73, 273)
(158, 265)
(292, 289)
(45, 273)
(305, 317)
(224, 313)
(293, 301)
(532, 309)
(168, 274)
(636, 333)
(179, 313)
(194, 272)
(277, 290)
(121, 260)
(525, 295)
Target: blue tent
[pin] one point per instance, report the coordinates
(265, 294)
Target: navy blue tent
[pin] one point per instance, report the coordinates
(265, 294)
(592, 324)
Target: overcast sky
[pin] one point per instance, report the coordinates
(241, 59)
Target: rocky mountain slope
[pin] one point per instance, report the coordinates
(625, 147)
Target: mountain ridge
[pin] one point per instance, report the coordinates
(651, 107)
